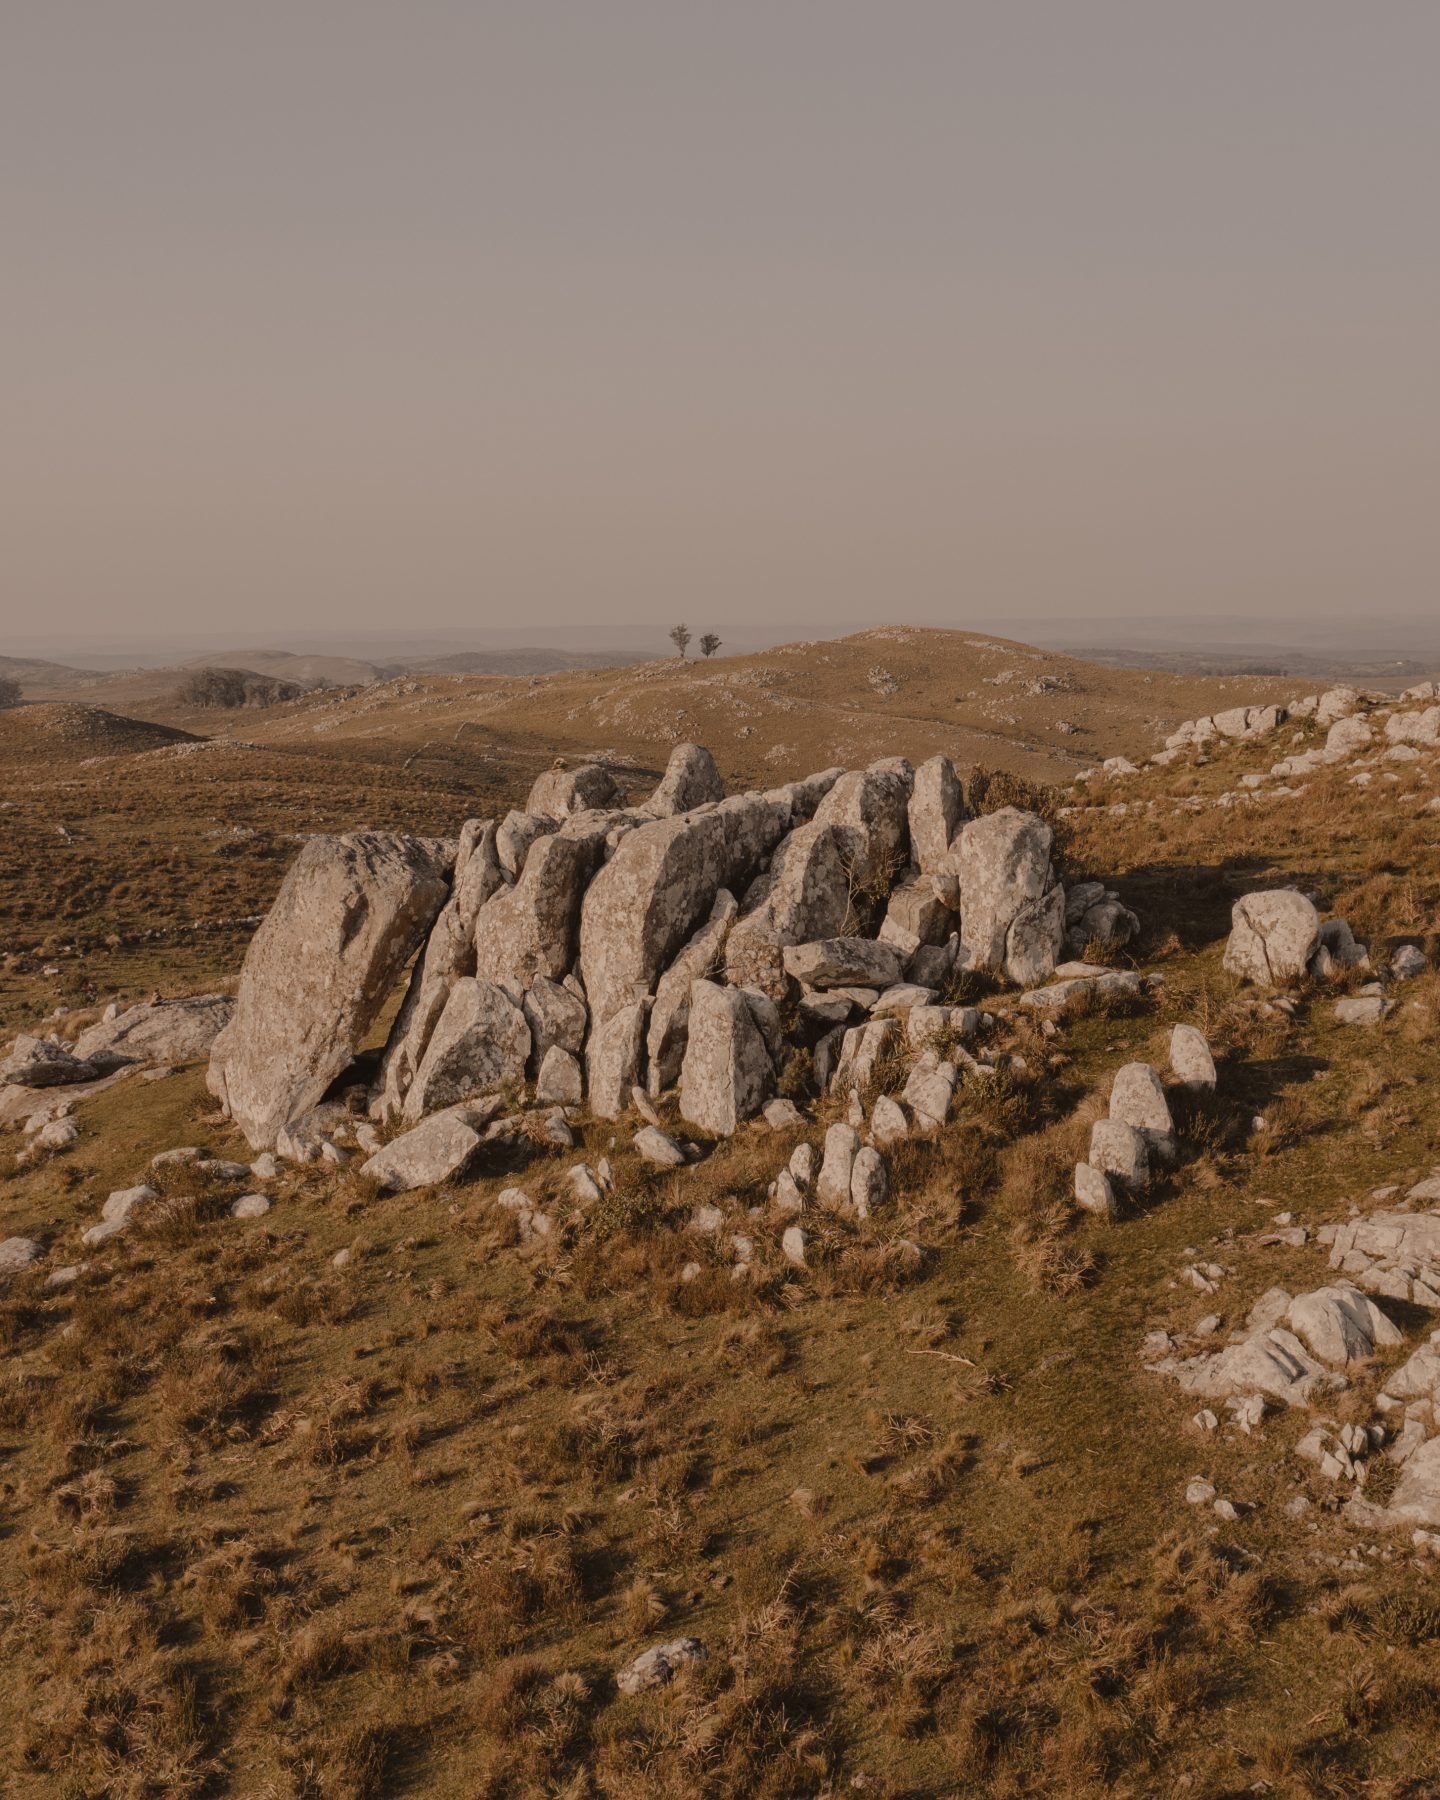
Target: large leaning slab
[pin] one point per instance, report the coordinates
(350, 914)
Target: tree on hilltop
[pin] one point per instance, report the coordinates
(680, 638)
(709, 644)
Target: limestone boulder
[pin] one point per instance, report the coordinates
(532, 928)
(690, 780)
(561, 791)
(36, 1062)
(916, 915)
(1190, 1059)
(481, 1043)
(1120, 1151)
(1012, 907)
(844, 962)
(1348, 735)
(935, 813)
(727, 1074)
(350, 914)
(442, 1148)
(1341, 1325)
(557, 1018)
(871, 806)
(615, 1059)
(804, 896)
(832, 1186)
(1137, 1098)
(159, 1031)
(1273, 935)
(699, 960)
(869, 1182)
(517, 834)
(561, 1080)
(448, 955)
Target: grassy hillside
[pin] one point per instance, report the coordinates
(278, 1524)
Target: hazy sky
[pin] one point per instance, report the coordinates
(430, 314)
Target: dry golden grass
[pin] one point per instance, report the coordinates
(272, 1527)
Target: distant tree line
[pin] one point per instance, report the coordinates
(235, 687)
(680, 638)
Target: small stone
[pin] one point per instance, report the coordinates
(781, 1115)
(266, 1166)
(869, 1182)
(657, 1666)
(18, 1253)
(659, 1148)
(792, 1245)
(251, 1206)
(1093, 1191)
(888, 1124)
(341, 1259)
(1199, 1492)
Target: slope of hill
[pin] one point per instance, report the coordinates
(776, 714)
(366, 1495)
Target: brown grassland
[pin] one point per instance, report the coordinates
(269, 1527)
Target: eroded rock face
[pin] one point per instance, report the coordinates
(1272, 937)
(448, 955)
(615, 1059)
(644, 905)
(168, 1031)
(531, 929)
(670, 1016)
(556, 1016)
(561, 791)
(936, 812)
(690, 780)
(872, 807)
(517, 833)
(1012, 907)
(480, 1043)
(351, 912)
(804, 895)
(35, 1062)
(727, 1074)
(844, 962)
(441, 1148)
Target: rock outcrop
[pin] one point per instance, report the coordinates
(349, 915)
(1012, 907)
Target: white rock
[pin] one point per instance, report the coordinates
(123, 1201)
(832, 1189)
(869, 1182)
(440, 1149)
(888, 1123)
(659, 1148)
(657, 1666)
(1093, 1191)
(1012, 907)
(1120, 1151)
(17, 1253)
(1190, 1059)
(481, 1042)
(251, 1206)
(727, 1073)
(1272, 937)
(792, 1246)
(349, 915)
(561, 1080)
